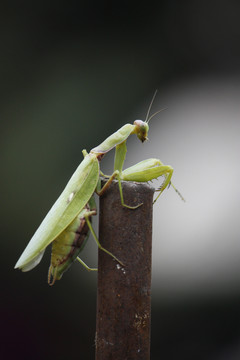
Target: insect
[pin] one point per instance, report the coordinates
(67, 224)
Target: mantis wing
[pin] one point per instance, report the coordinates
(74, 197)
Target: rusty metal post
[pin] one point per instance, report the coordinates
(124, 292)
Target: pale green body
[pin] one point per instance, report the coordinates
(81, 187)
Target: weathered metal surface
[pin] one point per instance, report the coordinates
(124, 293)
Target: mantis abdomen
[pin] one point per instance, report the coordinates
(67, 246)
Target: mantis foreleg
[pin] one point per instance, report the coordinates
(143, 171)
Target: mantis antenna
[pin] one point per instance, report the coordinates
(150, 106)
(149, 109)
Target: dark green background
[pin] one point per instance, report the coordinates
(71, 74)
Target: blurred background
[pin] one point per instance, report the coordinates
(71, 74)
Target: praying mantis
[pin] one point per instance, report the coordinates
(68, 222)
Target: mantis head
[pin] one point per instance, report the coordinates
(141, 129)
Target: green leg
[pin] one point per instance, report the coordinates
(167, 172)
(120, 154)
(98, 243)
(85, 265)
(102, 174)
(105, 187)
(121, 196)
(108, 183)
(178, 192)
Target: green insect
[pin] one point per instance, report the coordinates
(67, 224)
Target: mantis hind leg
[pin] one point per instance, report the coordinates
(87, 215)
(98, 243)
(85, 265)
